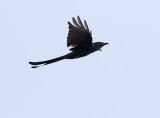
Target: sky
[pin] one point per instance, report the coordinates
(122, 81)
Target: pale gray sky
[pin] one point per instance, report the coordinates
(122, 81)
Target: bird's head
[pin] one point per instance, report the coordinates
(98, 45)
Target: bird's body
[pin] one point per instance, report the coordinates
(80, 39)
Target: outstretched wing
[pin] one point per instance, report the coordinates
(79, 34)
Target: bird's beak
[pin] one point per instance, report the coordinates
(106, 43)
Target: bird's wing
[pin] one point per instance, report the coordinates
(79, 34)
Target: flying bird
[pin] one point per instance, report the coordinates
(80, 40)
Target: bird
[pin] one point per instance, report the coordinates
(79, 39)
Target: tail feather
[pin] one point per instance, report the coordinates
(42, 63)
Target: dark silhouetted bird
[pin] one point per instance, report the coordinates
(80, 39)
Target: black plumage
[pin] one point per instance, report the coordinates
(80, 39)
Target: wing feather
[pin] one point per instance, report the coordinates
(79, 21)
(77, 25)
(78, 34)
(86, 26)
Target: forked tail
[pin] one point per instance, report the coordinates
(42, 63)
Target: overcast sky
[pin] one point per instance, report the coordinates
(122, 81)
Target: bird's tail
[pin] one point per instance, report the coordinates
(42, 63)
